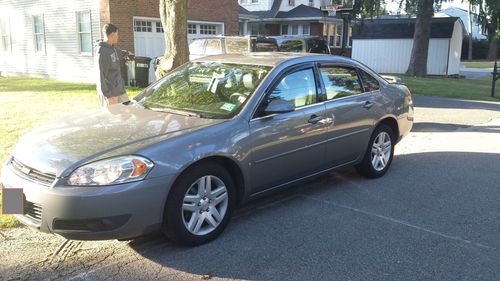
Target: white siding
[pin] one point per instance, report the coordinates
(393, 55)
(262, 5)
(285, 6)
(383, 55)
(62, 59)
(455, 49)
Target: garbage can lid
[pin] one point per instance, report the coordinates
(142, 59)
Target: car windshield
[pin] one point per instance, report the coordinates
(205, 89)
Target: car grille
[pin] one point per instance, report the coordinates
(33, 211)
(32, 174)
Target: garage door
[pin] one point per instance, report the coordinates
(148, 40)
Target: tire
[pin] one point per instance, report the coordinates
(193, 217)
(376, 163)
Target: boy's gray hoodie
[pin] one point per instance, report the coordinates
(110, 82)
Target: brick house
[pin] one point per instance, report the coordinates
(294, 17)
(54, 39)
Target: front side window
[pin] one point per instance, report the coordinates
(39, 33)
(340, 81)
(297, 87)
(209, 89)
(84, 27)
(370, 84)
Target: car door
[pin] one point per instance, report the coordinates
(352, 111)
(289, 145)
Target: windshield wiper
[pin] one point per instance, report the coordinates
(175, 111)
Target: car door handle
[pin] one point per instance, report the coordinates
(314, 119)
(368, 104)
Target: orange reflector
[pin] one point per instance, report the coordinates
(139, 168)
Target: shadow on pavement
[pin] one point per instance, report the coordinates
(290, 236)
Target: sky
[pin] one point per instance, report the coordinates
(392, 6)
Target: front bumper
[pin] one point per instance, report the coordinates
(93, 213)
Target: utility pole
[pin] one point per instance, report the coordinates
(469, 25)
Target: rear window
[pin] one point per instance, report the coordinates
(266, 47)
(291, 46)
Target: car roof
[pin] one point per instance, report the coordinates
(270, 58)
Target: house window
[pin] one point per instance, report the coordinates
(291, 2)
(311, 3)
(284, 29)
(4, 35)
(295, 29)
(208, 29)
(338, 35)
(159, 27)
(84, 26)
(39, 33)
(305, 29)
(142, 26)
(349, 37)
(191, 28)
(243, 1)
(255, 1)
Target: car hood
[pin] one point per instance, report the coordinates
(119, 129)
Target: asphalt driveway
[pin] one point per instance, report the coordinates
(434, 216)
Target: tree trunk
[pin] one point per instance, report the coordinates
(173, 14)
(420, 50)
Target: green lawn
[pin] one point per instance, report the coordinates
(478, 64)
(453, 88)
(29, 102)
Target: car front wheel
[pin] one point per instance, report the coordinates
(200, 205)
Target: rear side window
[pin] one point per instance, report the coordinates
(370, 84)
(340, 81)
(236, 46)
(298, 87)
(291, 46)
(213, 47)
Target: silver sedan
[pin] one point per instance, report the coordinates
(213, 134)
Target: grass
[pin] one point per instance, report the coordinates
(29, 102)
(468, 89)
(478, 64)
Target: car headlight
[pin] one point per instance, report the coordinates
(111, 171)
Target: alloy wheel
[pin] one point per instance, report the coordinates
(381, 151)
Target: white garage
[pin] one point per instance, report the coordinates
(385, 45)
(149, 40)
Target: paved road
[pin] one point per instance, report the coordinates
(434, 216)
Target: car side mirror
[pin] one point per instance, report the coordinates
(279, 106)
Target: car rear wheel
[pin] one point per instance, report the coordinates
(200, 205)
(378, 156)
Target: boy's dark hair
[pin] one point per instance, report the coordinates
(109, 28)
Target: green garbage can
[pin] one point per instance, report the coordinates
(141, 65)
